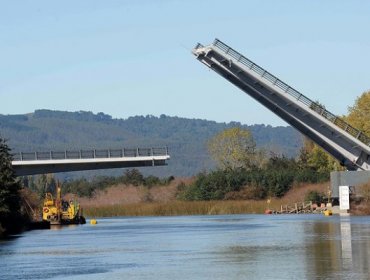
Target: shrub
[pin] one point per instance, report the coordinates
(133, 177)
(215, 185)
(274, 179)
(151, 181)
(247, 193)
(315, 197)
(365, 192)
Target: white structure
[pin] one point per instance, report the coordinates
(344, 197)
(347, 144)
(54, 162)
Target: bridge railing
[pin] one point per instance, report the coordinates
(291, 91)
(91, 154)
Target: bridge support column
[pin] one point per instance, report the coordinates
(348, 178)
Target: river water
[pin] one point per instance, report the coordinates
(194, 247)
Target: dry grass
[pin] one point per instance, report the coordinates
(123, 195)
(176, 208)
(365, 192)
(124, 200)
(298, 192)
(362, 205)
(360, 209)
(31, 205)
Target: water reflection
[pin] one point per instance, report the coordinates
(62, 227)
(323, 249)
(359, 240)
(335, 249)
(219, 247)
(346, 243)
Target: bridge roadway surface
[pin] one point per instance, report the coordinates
(32, 163)
(350, 146)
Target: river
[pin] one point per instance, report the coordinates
(194, 247)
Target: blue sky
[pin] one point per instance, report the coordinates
(128, 58)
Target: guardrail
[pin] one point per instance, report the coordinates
(91, 154)
(291, 91)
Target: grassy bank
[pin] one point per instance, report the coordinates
(132, 201)
(175, 208)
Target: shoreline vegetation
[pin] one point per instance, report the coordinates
(121, 200)
(177, 208)
(172, 207)
(219, 192)
(131, 200)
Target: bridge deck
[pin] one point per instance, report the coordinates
(64, 161)
(349, 145)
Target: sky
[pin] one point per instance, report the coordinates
(127, 58)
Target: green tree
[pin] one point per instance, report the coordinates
(133, 177)
(359, 113)
(40, 184)
(215, 185)
(233, 148)
(319, 159)
(10, 202)
(314, 157)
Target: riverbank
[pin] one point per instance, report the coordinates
(129, 200)
(177, 208)
(133, 201)
(188, 208)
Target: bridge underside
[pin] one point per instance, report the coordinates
(33, 168)
(348, 145)
(348, 178)
(33, 163)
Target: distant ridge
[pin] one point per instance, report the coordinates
(186, 138)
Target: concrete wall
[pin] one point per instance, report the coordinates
(347, 178)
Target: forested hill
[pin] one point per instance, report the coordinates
(186, 139)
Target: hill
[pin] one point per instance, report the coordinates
(186, 139)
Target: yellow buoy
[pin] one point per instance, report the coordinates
(328, 213)
(93, 222)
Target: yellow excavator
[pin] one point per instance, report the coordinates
(60, 212)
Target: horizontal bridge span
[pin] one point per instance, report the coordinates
(65, 161)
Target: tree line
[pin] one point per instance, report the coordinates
(245, 172)
(83, 187)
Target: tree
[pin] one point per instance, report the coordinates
(10, 202)
(233, 148)
(133, 177)
(314, 157)
(319, 160)
(359, 113)
(315, 197)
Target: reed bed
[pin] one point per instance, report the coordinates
(179, 208)
(128, 201)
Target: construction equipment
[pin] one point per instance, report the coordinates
(60, 212)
